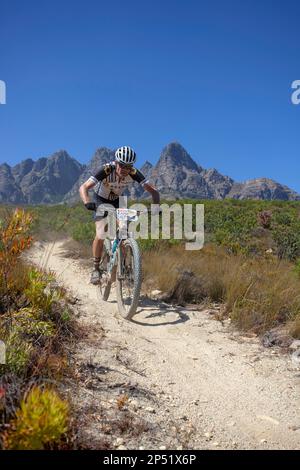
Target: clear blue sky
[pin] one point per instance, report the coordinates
(215, 76)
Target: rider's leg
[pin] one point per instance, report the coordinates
(97, 249)
(97, 252)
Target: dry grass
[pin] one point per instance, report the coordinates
(259, 294)
(294, 329)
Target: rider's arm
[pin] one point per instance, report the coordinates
(154, 193)
(92, 181)
(138, 176)
(84, 188)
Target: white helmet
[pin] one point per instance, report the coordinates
(125, 155)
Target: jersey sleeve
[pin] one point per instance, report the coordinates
(138, 176)
(101, 174)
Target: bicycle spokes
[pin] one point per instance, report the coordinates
(128, 275)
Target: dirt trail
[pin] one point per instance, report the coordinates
(192, 379)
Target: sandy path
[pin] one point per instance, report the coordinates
(198, 382)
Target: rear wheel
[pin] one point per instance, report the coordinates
(129, 278)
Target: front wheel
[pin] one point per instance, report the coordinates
(129, 278)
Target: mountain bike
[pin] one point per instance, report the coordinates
(121, 263)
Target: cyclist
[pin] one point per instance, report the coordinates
(109, 182)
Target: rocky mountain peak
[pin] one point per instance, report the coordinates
(175, 155)
(5, 167)
(43, 181)
(9, 189)
(146, 168)
(21, 169)
(176, 169)
(101, 156)
(61, 156)
(147, 165)
(220, 185)
(262, 188)
(61, 162)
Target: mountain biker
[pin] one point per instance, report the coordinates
(109, 182)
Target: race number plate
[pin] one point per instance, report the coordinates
(126, 214)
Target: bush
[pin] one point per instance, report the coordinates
(41, 420)
(264, 218)
(14, 239)
(84, 232)
(287, 240)
(39, 294)
(18, 353)
(28, 323)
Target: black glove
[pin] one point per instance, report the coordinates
(91, 206)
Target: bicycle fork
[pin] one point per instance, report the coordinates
(112, 268)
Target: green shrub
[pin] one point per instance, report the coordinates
(27, 322)
(287, 240)
(65, 315)
(39, 294)
(83, 232)
(18, 352)
(40, 421)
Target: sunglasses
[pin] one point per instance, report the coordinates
(125, 166)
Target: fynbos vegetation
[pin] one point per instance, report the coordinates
(250, 261)
(34, 327)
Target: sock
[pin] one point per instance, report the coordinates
(96, 262)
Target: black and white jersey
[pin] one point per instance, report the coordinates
(109, 185)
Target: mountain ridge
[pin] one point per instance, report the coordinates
(56, 179)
